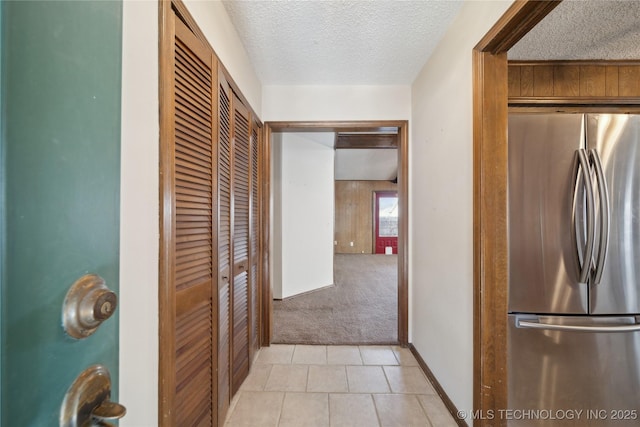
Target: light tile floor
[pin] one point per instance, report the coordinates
(317, 385)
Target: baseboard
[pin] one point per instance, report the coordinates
(305, 293)
(436, 385)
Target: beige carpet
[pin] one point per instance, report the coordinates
(362, 307)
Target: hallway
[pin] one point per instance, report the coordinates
(304, 385)
(362, 307)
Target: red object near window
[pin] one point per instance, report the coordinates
(386, 222)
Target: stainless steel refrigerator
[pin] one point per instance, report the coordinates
(574, 270)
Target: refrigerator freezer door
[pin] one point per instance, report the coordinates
(564, 373)
(543, 249)
(616, 138)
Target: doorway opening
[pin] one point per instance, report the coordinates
(399, 301)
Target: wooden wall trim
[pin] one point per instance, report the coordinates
(335, 126)
(166, 292)
(403, 194)
(517, 21)
(574, 82)
(448, 403)
(562, 101)
(490, 232)
(379, 141)
(545, 108)
(266, 215)
(490, 114)
(403, 234)
(595, 62)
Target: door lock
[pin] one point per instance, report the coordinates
(87, 402)
(88, 303)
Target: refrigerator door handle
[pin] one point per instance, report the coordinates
(533, 322)
(585, 263)
(603, 194)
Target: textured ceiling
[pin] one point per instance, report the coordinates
(346, 42)
(379, 42)
(584, 30)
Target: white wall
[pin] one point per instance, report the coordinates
(213, 20)
(139, 209)
(305, 213)
(329, 103)
(441, 208)
(309, 103)
(139, 215)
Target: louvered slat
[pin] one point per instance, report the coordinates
(224, 179)
(193, 248)
(192, 165)
(240, 351)
(224, 391)
(241, 292)
(193, 365)
(224, 246)
(254, 239)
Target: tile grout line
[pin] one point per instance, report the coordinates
(326, 354)
(396, 356)
(424, 410)
(346, 376)
(329, 408)
(281, 408)
(264, 386)
(384, 372)
(293, 353)
(375, 408)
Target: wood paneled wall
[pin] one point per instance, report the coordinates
(574, 79)
(354, 215)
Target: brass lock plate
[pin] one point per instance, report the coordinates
(88, 303)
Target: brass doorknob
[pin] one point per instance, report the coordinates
(87, 403)
(88, 303)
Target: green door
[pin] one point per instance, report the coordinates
(59, 204)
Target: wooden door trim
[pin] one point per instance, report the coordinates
(403, 195)
(490, 113)
(266, 213)
(166, 292)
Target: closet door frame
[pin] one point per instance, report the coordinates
(166, 293)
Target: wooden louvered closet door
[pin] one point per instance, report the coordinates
(224, 244)
(241, 297)
(254, 255)
(193, 206)
(209, 296)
